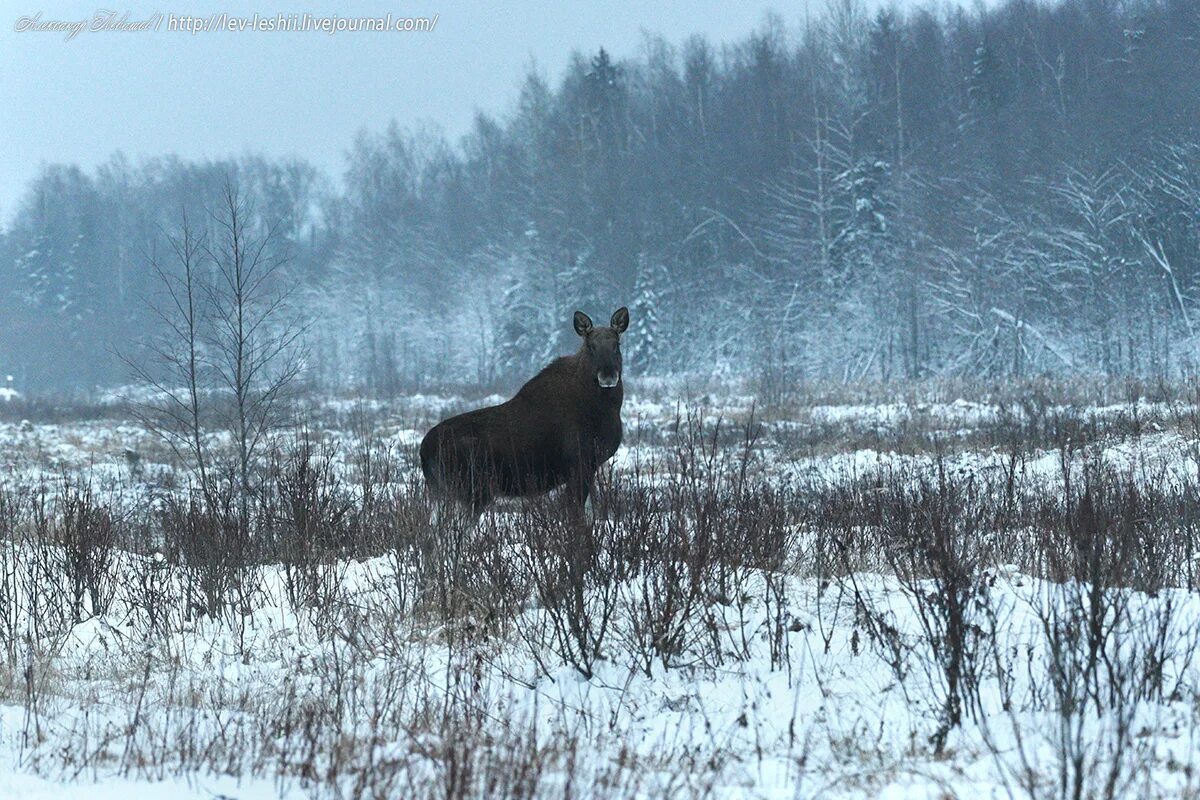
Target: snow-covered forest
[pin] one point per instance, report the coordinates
(1003, 192)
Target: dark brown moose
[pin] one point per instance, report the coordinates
(556, 431)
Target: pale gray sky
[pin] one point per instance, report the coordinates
(228, 93)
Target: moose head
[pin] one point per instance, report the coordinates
(602, 346)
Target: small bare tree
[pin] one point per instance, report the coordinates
(228, 349)
(253, 344)
(174, 370)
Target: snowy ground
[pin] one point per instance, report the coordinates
(802, 681)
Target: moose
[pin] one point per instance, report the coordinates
(555, 432)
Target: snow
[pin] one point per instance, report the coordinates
(841, 707)
(19, 785)
(825, 717)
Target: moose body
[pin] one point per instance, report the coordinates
(555, 432)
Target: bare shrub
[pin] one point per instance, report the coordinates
(575, 571)
(153, 591)
(498, 587)
(12, 606)
(375, 472)
(306, 518)
(937, 551)
(409, 536)
(84, 535)
(669, 563)
(1108, 624)
(209, 538)
(927, 529)
(454, 572)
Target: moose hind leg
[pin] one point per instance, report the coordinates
(454, 514)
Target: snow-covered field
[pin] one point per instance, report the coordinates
(856, 600)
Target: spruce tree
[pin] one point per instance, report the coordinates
(646, 349)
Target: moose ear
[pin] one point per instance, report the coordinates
(620, 319)
(583, 323)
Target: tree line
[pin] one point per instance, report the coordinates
(854, 196)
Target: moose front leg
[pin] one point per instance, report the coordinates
(578, 493)
(581, 552)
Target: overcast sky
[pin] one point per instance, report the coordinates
(227, 93)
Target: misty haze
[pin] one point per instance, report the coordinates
(793, 401)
